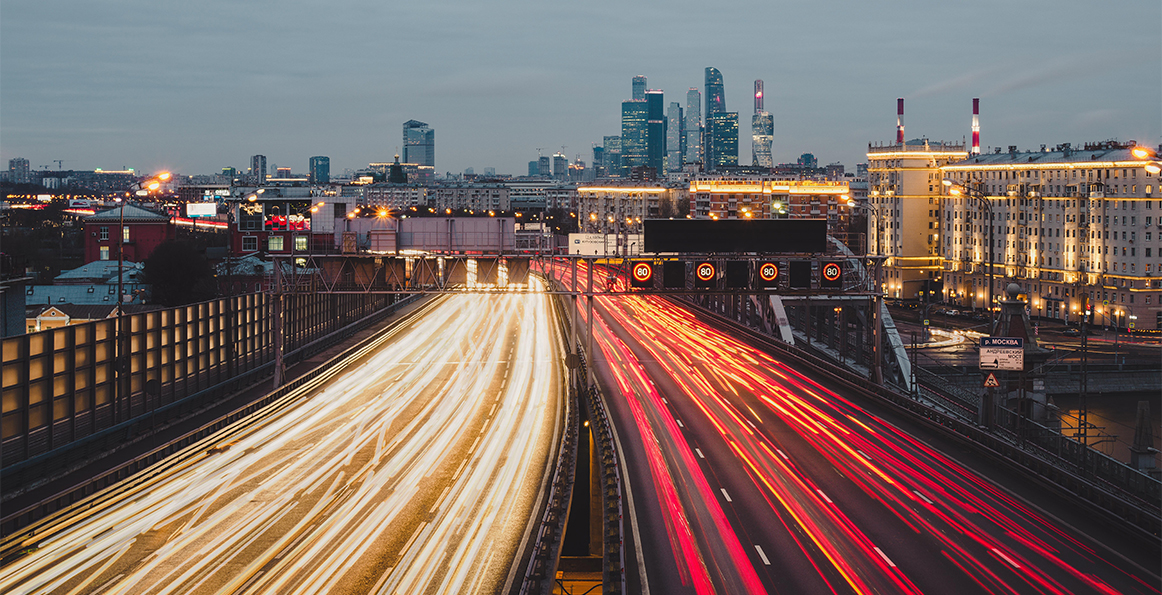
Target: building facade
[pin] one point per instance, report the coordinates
(639, 87)
(1064, 224)
(634, 123)
(675, 137)
(722, 140)
(762, 130)
(18, 171)
(419, 144)
(258, 170)
(766, 197)
(904, 188)
(320, 167)
(136, 233)
(693, 126)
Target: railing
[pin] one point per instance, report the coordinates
(15, 519)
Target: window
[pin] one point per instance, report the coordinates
(104, 234)
(104, 253)
(274, 243)
(300, 243)
(249, 244)
(124, 234)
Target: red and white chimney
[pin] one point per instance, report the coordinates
(900, 121)
(976, 126)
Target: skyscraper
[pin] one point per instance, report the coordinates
(722, 140)
(419, 143)
(599, 160)
(544, 167)
(715, 97)
(634, 121)
(639, 87)
(320, 170)
(655, 131)
(612, 152)
(258, 170)
(675, 137)
(762, 130)
(693, 126)
(534, 169)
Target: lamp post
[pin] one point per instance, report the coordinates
(956, 190)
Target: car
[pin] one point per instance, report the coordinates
(952, 313)
(1071, 332)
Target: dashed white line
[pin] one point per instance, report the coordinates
(863, 454)
(700, 455)
(885, 557)
(1006, 558)
(664, 401)
(679, 423)
(922, 496)
(762, 554)
(782, 454)
(726, 495)
(824, 496)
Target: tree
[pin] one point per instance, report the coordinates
(178, 274)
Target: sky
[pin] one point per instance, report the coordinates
(193, 87)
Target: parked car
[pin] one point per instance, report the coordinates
(1071, 332)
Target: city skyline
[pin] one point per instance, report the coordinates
(212, 91)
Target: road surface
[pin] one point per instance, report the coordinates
(415, 471)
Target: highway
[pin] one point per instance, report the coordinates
(746, 476)
(415, 471)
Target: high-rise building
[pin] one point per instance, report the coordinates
(762, 130)
(675, 137)
(722, 140)
(808, 160)
(598, 161)
(639, 87)
(655, 131)
(229, 173)
(320, 170)
(419, 143)
(716, 154)
(613, 162)
(534, 169)
(18, 171)
(634, 122)
(544, 166)
(693, 126)
(560, 166)
(258, 169)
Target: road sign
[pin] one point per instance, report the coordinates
(705, 275)
(1002, 353)
(769, 274)
(925, 322)
(832, 272)
(643, 274)
(991, 381)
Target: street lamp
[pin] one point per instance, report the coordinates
(982, 200)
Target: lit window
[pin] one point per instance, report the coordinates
(104, 253)
(124, 234)
(274, 243)
(301, 243)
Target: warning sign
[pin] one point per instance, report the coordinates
(991, 381)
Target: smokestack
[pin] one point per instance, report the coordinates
(900, 121)
(976, 126)
(758, 96)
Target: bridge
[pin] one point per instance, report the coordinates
(523, 422)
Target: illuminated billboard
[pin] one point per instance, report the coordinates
(201, 209)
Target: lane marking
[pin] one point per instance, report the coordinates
(440, 500)
(762, 554)
(1006, 558)
(679, 423)
(700, 455)
(922, 496)
(474, 443)
(246, 585)
(108, 583)
(726, 495)
(664, 401)
(884, 556)
(782, 454)
(459, 469)
(863, 454)
(824, 496)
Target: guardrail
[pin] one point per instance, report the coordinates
(14, 520)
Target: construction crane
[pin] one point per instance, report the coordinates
(60, 164)
(540, 151)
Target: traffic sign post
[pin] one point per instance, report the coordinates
(1002, 353)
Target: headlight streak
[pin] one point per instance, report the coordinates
(998, 541)
(303, 501)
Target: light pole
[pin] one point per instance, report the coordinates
(970, 192)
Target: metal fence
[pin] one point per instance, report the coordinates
(63, 385)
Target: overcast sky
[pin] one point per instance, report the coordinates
(196, 86)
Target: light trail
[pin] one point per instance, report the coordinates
(415, 471)
(844, 501)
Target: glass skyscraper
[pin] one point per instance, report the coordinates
(419, 143)
(634, 122)
(693, 126)
(675, 137)
(722, 140)
(613, 163)
(762, 130)
(320, 170)
(655, 131)
(639, 87)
